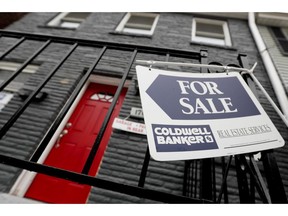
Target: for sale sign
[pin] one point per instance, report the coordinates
(190, 116)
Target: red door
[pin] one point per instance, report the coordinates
(72, 150)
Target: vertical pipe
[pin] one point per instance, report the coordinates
(269, 65)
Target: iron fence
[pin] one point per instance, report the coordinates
(199, 183)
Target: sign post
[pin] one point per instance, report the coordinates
(192, 116)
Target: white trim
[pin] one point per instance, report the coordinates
(285, 32)
(74, 22)
(26, 177)
(4, 99)
(13, 86)
(13, 66)
(121, 27)
(272, 19)
(227, 34)
(211, 40)
(273, 16)
(56, 20)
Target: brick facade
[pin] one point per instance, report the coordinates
(125, 152)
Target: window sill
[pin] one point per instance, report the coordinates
(130, 34)
(57, 27)
(213, 45)
(281, 49)
(283, 52)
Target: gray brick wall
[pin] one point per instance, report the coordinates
(125, 153)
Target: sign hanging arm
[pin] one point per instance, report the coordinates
(226, 68)
(250, 72)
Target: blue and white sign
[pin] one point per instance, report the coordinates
(192, 116)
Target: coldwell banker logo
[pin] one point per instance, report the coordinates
(171, 138)
(187, 98)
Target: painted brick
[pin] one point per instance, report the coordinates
(125, 153)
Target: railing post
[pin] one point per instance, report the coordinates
(274, 180)
(145, 165)
(242, 179)
(206, 168)
(186, 179)
(206, 179)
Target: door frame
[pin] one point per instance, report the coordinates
(26, 177)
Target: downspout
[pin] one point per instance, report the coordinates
(269, 66)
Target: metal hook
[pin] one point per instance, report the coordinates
(151, 63)
(226, 70)
(250, 71)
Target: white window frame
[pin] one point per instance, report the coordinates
(285, 32)
(57, 20)
(121, 26)
(223, 42)
(5, 97)
(12, 67)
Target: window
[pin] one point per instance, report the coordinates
(281, 36)
(68, 20)
(138, 23)
(210, 31)
(103, 97)
(5, 97)
(285, 32)
(6, 70)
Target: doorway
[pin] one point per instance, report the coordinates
(73, 145)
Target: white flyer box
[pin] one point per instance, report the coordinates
(193, 116)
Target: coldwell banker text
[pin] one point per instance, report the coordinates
(183, 137)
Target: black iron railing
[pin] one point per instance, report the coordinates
(199, 184)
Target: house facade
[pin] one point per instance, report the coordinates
(74, 64)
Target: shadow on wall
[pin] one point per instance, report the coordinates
(8, 18)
